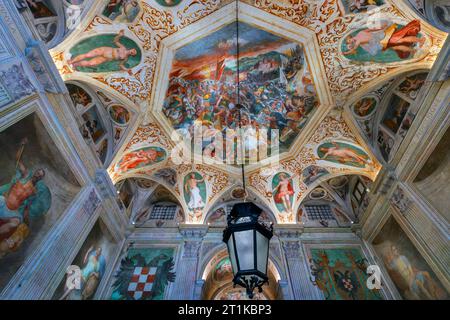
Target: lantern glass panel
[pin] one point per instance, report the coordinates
(245, 249)
(232, 255)
(262, 248)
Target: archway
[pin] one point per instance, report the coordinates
(218, 276)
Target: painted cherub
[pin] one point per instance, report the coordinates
(101, 55)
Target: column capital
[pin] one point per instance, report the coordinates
(289, 232)
(192, 231)
(191, 249)
(292, 249)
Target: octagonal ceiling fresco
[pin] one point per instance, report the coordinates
(239, 63)
(185, 72)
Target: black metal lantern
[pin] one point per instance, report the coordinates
(247, 240)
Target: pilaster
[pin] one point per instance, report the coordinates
(296, 264)
(186, 286)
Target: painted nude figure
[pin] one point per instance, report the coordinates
(343, 154)
(377, 40)
(418, 284)
(133, 159)
(100, 55)
(283, 192)
(16, 200)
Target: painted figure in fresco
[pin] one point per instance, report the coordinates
(79, 97)
(363, 5)
(195, 199)
(417, 284)
(412, 85)
(39, 9)
(223, 270)
(312, 173)
(217, 217)
(344, 154)
(364, 107)
(119, 114)
(139, 158)
(283, 192)
(102, 151)
(100, 55)
(239, 294)
(168, 175)
(377, 40)
(122, 10)
(393, 120)
(91, 274)
(92, 127)
(117, 134)
(168, 3)
(25, 197)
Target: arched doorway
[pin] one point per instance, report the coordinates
(218, 284)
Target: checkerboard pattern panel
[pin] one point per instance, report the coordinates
(141, 284)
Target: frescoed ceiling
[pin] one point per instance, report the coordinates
(174, 64)
(272, 79)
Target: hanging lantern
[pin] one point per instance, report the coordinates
(247, 240)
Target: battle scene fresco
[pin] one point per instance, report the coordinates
(92, 260)
(36, 186)
(275, 84)
(408, 270)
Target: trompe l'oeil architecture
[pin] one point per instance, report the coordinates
(121, 133)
